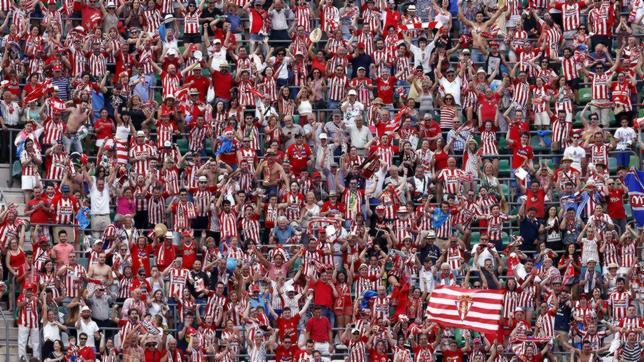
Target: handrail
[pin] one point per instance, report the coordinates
(6, 333)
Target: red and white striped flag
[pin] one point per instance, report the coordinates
(425, 25)
(473, 309)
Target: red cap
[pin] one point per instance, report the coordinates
(187, 234)
(316, 174)
(322, 230)
(57, 68)
(254, 288)
(360, 45)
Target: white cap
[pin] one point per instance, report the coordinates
(323, 136)
(355, 330)
(352, 92)
(169, 235)
(140, 134)
(111, 5)
(203, 179)
(480, 71)
(411, 7)
(216, 41)
(289, 288)
(172, 51)
(85, 308)
(518, 309)
(592, 260)
(167, 144)
(56, 88)
(197, 54)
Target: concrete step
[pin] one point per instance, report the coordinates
(5, 175)
(14, 195)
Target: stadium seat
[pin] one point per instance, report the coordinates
(182, 143)
(585, 95)
(475, 237)
(504, 167)
(612, 164)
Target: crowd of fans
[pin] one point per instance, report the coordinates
(290, 180)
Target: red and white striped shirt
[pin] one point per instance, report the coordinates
(495, 226)
(546, 324)
(302, 17)
(170, 83)
(97, 65)
(53, 132)
(569, 68)
(156, 210)
(600, 85)
(191, 22)
(357, 350)
(521, 93)
(183, 213)
(338, 87)
(28, 314)
(57, 164)
(152, 20)
(73, 280)
(65, 209)
(28, 161)
(451, 180)
(570, 14)
(228, 224)
(619, 301)
(142, 166)
(178, 280)
(600, 20)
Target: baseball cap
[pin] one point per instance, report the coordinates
(140, 134)
(323, 136)
(352, 92)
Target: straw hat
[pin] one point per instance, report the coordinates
(315, 35)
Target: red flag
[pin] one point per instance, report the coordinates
(37, 92)
(255, 92)
(473, 309)
(569, 274)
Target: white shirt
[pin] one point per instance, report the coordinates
(485, 254)
(50, 332)
(100, 200)
(453, 88)
(359, 136)
(88, 328)
(217, 57)
(576, 154)
(422, 56)
(625, 137)
(282, 71)
(351, 111)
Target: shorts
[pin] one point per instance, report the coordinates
(28, 182)
(194, 38)
(541, 119)
(574, 83)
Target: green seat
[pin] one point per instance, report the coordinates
(634, 162)
(208, 145)
(475, 237)
(585, 95)
(505, 238)
(506, 190)
(504, 167)
(83, 261)
(296, 118)
(182, 143)
(640, 113)
(612, 164)
(503, 144)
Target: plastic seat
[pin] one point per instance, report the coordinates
(475, 237)
(182, 143)
(612, 164)
(504, 167)
(585, 95)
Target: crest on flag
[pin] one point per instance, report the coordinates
(463, 305)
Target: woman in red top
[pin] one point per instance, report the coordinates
(343, 304)
(441, 155)
(16, 260)
(141, 252)
(104, 128)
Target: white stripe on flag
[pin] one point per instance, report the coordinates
(491, 307)
(456, 293)
(486, 327)
(454, 313)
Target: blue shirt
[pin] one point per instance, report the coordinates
(283, 235)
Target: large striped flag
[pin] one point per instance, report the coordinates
(473, 309)
(425, 25)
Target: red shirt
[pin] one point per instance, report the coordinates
(283, 354)
(298, 157)
(440, 160)
(520, 154)
(222, 83)
(536, 200)
(516, 129)
(40, 216)
(288, 327)
(201, 83)
(386, 89)
(104, 128)
(87, 353)
(375, 356)
(453, 356)
(616, 204)
(318, 329)
(488, 107)
(323, 294)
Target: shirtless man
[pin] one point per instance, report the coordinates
(271, 173)
(78, 116)
(585, 354)
(100, 273)
(479, 27)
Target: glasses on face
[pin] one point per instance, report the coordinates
(83, 338)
